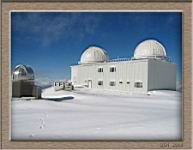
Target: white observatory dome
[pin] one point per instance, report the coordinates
(23, 72)
(93, 54)
(150, 49)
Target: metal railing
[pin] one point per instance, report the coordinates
(119, 59)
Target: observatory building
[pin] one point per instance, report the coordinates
(23, 82)
(149, 69)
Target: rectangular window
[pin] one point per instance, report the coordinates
(60, 83)
(100, 83)
(112, 83)
(138, 84)
(128, 82)
(56, 83)
(112, 69)
(120, 82)
(100, 69)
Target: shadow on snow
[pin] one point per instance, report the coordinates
(60, 98)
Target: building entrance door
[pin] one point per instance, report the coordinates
(89, 83)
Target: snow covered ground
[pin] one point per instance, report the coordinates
(95, 115)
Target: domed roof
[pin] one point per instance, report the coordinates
(23, 72)
(150, 49)
(93, 54)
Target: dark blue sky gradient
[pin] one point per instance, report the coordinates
(51, 42)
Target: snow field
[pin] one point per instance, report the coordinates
(98, 116)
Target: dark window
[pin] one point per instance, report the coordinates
(138, 84)
(120, 82)
(112, 83)
(128, 82)
(100, 82)
(57, 84)
(112, 69)
(100, 69)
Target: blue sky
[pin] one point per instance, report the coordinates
(50, 42)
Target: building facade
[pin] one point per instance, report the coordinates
(149, 69)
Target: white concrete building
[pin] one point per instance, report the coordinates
(149, 69)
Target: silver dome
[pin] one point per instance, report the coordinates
(23, 72)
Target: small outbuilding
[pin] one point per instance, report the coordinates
(23, 84)
(63, 85)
